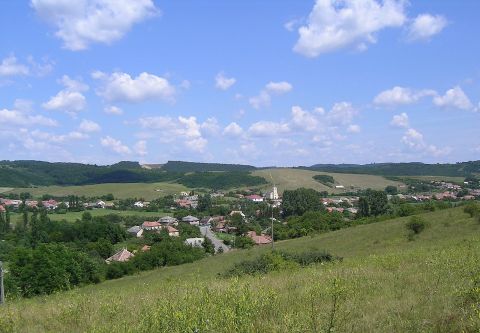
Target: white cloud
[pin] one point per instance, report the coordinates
(89, 126)
(425, 26)
(185, 130)
(18, 118)
(401, 96)
(268, 128)
(115, 145)
(353, 129)
(58, 139)
(140, 148)
(278, 87)
(70, 99)
(342, 113)
(454, 98)
(81, 23)
(414, 140)
(222, 82)
(272, 88)
(338, 24)
(303, 119)
(233, 130)
(10, 67)
(113, 110)
(210, 126)
(122, 87)
(23, 105)
(400, 120)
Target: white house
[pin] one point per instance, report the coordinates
(195, 242)
(135, 231)
(168, 220)
(139, 204)
(148, 225)
(191, 219)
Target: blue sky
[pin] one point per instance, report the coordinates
(261, 82)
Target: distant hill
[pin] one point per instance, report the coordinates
(180, 166)
(461, 169)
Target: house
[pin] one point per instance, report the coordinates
(195, 242)
(121, 256)
(146, 248)
(135, 231)
(168, 220)
(2, 209)
(254, 198)
(259, 239)
(50, 204)
(233, 212)
(31, 203)
(191, 219)
(273, 195)
(207, 220)
(100, 204)
(339, 186)
(139, 204)
(148, 225)
(12, 203)
(220, 226)
(172, 232)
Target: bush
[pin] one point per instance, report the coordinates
(472, 209)
(416, 225)
(275, 261)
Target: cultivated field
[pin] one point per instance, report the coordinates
(289, 179)
(147, 191)
(385, 283)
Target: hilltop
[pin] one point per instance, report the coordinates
(385, 283)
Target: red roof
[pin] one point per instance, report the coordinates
(253, 197)
(2, 209)
(148, 224)
(171, 229)
(259, 240)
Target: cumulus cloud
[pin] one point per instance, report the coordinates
(11, 67)
(415, 141)
(454, 98)
(268, 128)
(81, 23)
(115, 145)
(400, 120)
(425, 26)
(264, 98)
(222, 82)
(58, 139)
(89, 126)
(303, 119)
(334, 25)
(122, 87)
(19, 118)
(401, 96)
(140, 148)
(233, 130)
(210, 126)
(113, 110)
(353, 129)
(23, 105)
(342, 113)
(182, 129)
(70, 99)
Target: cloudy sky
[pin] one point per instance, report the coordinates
(261, 82)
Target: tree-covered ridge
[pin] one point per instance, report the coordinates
(180, 166)
(221, 180)
(403, 169)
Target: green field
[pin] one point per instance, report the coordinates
(289, 179)
(147, 191)
(385, 283)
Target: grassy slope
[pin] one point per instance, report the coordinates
(288, 179)
(119, 190)
(384, 284)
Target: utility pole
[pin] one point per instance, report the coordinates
(2, 293)
(272, 227)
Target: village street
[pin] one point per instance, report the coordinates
(207, 232)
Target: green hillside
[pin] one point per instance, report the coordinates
(180, 166)
(385, 283)
(289, 179)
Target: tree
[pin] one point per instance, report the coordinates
(363, 207)
(301, 200)
(204, 202)
(390, 189)
(208, 246)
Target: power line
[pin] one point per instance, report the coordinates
(2, 293)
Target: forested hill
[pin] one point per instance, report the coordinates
(28, 173)
(180, 166)
(403, 169)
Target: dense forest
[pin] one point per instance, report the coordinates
(221, 180)
(179, 166)
(402, 169)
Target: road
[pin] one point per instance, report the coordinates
(207, 232)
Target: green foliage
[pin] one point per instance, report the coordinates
(309, 223)
(204, 203)
(300, 201)
(416, 225)
(472, 209)
(324, 179)
(373, 203)
(243, 242)
(50, 268)
(276, 261)
(390, 189)
(220, 180)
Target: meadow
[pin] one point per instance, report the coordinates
(290, 179)
(147, 191)
(385, 283)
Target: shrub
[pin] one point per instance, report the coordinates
(416, 225)
(472, 209)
